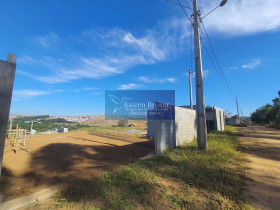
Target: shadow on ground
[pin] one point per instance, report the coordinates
(63, 163)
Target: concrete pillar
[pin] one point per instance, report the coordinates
(7, 76)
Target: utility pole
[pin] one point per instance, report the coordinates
(190, 81)
(237, 108)
(200, 104)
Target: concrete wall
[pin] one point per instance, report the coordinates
(150, 126)
(185, 122)
(220, 119)
(216, 115)
(7, 75)
(173, 133)
(233, 121)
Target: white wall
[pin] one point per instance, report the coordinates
(172, 133)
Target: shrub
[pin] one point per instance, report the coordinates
(122, 123)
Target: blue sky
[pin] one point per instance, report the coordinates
(69, 52)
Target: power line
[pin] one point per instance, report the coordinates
(191, 25)
(188, 7)
(216, 58)
(184, 11)
(223, 78)
(215, 67)
(188, 4)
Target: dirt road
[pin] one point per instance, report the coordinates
(262, 147)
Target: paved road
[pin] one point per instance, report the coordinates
(262, 147)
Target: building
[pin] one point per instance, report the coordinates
(168, 133)
(183, 128)
(215, 119)
(33, 132)
(233, 120)
(63, 130)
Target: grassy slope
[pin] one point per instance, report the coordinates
(180, 178)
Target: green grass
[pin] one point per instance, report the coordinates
(5, 180)
(112, 130)
(180, 178)
(274, 126)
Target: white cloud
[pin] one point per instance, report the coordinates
(30, 92)
(239, 17)
(25, 59)
(98, 93)
(59, 91)
(157, 80)
(19, 95)
(120, 51)
(86, 89)
(47, 41)
(233, 68)
(129, 86)
(251, 65)
(206, 73)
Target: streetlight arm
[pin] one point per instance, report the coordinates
(221, 4)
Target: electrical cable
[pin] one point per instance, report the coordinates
(216, 58)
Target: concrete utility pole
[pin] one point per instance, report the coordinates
(200, 104)
(237, 108)
(190, 81)
(7, 75)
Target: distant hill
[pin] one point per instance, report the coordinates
(99, 120)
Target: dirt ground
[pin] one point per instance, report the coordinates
(59, 159)
(262, 147)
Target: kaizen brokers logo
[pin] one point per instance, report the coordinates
(119, 103)
(137, 104)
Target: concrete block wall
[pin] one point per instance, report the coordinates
(173, 133)
(185, 122)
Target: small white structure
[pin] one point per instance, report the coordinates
(215, 119)
(233, 120)
(173, 133)
(63, 130)
(33, 132)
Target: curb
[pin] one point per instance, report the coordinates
(29, 200)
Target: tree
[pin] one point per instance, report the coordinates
(122, 123)
(228, 114)
(268, 113)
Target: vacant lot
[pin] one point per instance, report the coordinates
(59, 159)
(181, 178)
